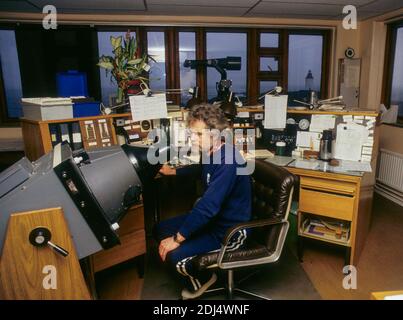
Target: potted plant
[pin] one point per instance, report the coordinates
(127, 67)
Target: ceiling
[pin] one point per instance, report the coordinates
(304, 9)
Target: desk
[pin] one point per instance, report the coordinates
(335, 197)
(382, 294)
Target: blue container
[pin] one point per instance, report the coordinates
(86, 109)
(71, 83)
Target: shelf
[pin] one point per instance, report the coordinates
(116, 115)
(325, 239)
(356, 112)
(305, 223)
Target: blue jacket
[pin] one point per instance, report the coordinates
(226, 200)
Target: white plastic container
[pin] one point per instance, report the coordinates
(47, 108)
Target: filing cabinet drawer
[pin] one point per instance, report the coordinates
(327, 204)
(343, 187)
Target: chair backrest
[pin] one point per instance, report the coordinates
(272, 196)
(272, 186)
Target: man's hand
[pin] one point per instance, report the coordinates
(166, 246)
(166, 170)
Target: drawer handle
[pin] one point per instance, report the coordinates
(329, 192)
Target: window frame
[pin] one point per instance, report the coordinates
(254, 52)
(390, 50)
(226, 30)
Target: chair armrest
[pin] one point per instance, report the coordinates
(244, 225)
(249, 224)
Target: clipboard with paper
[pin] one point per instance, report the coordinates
(148, 107)
(275, 111)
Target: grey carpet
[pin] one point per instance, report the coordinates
(285, 280)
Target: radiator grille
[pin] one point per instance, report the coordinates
(389, 180)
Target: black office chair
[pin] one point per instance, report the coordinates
(272, 195)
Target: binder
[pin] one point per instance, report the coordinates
(77, 141)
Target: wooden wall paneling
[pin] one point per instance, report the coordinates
(33, 142)
(23, 267)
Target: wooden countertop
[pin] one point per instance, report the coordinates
(354, 112)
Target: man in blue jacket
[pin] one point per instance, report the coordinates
(226, 201)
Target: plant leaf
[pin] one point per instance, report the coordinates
(116, 42)
(118, 51)
(135, 61)
(105, 64)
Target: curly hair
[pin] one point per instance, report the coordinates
(210, 114)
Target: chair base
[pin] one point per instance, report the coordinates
(231, 294)
(231, 290)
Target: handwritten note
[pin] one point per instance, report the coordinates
(322, 122)
(147, 108)
(308, 139)
(350, 138)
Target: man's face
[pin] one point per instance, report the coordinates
(200, 136)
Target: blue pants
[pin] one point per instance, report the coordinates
(201, 242)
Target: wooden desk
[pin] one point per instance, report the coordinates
(336, 197)
(133, 242)
(382, 294)
(339, 197)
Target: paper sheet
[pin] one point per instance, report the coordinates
(281, 161)
(349, 141)
(147, 108)
(306, 164)
(321, 122)
(275, 111)
(347, 118)
(308, 140)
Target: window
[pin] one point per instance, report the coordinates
(222, 45)
(393, 79)
(156, 48)
(269, 40)
(269, 64)
(294, 59)
(304, 66)
(10, 74)
(108, 84)
(187, 51)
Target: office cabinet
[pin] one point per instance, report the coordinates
(93, 132)
(340, 201)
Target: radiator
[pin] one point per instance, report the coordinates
(389, 180)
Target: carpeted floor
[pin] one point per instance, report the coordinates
(284, 280)
(379, 268)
